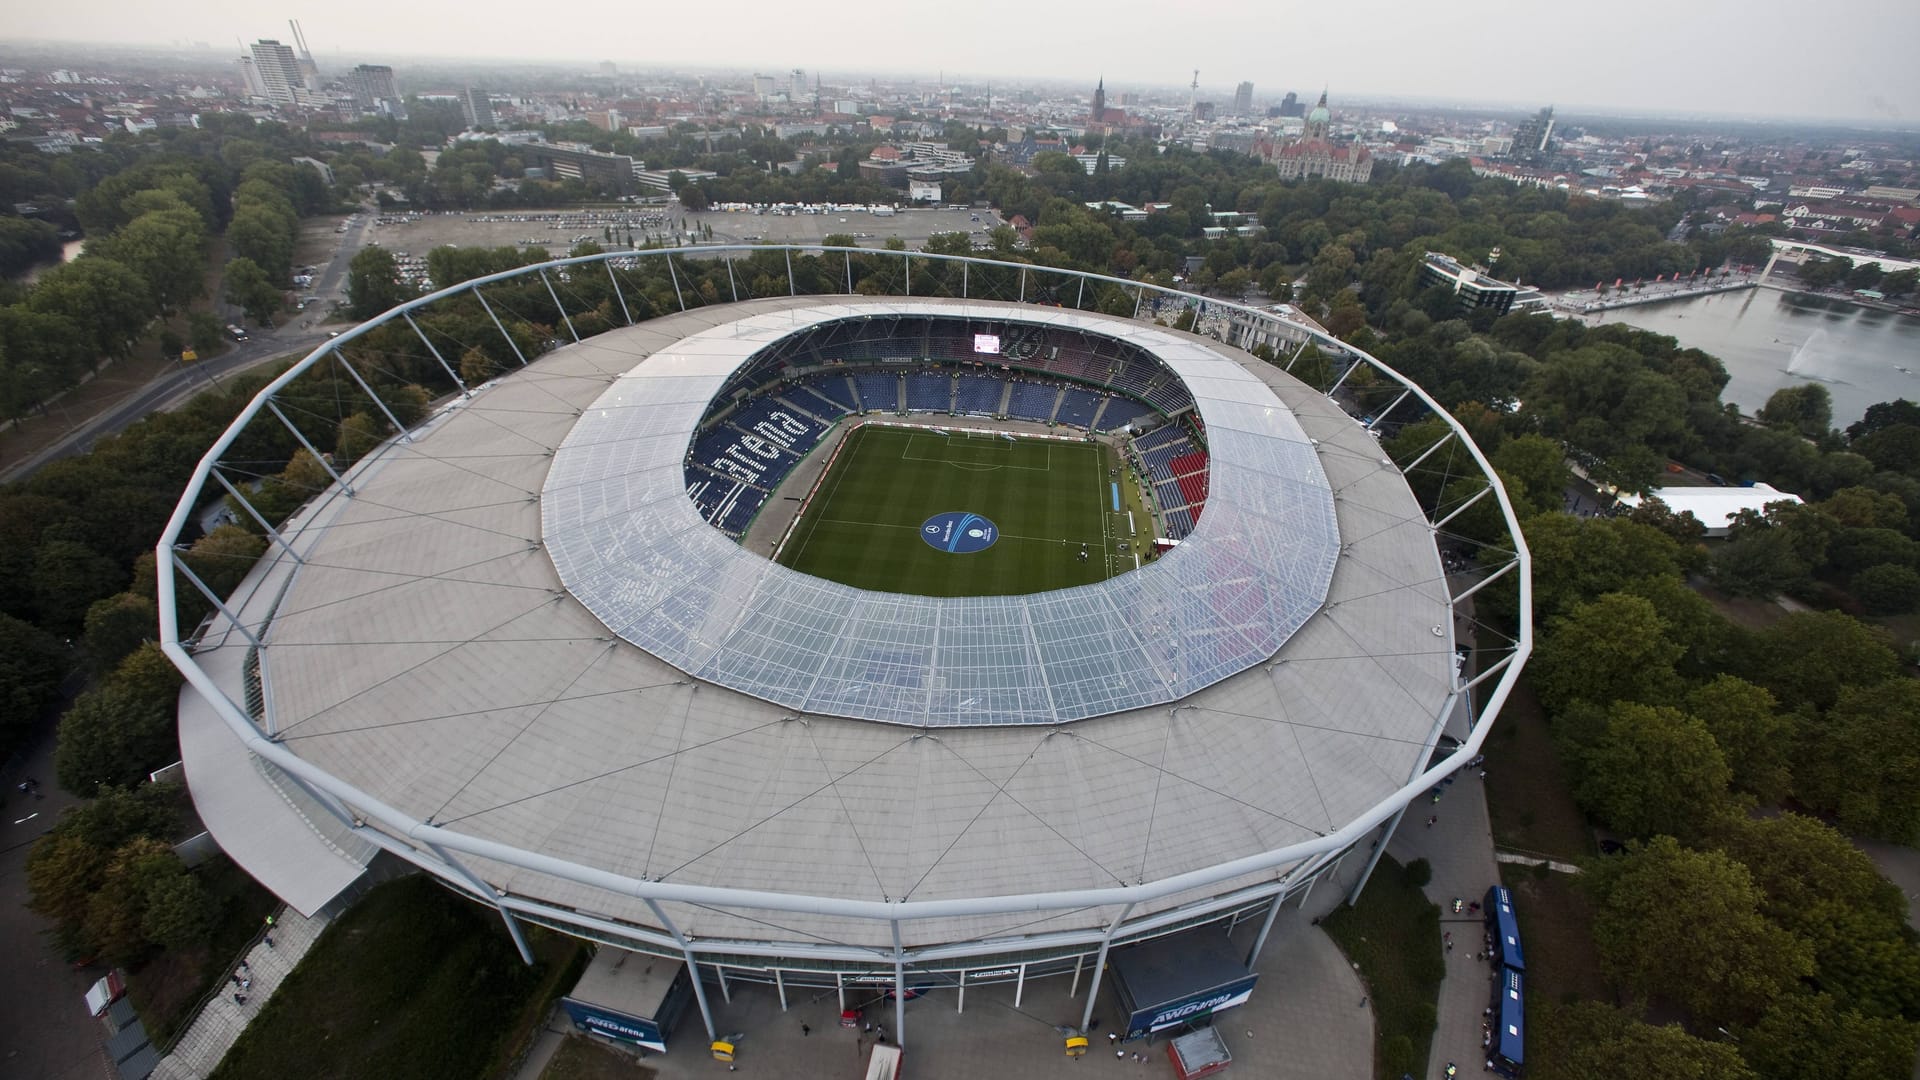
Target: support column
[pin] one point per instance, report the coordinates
(693, 967)
(1100, 965)
(906, 263)
(490, 893)
(899, 989)
(1139, 297)
(562, 308)
(1342, 380)
(617, 295)
(272, 533)
(1078, 962)
(220, 605)
(726, 992)
(1266, 926)
(1297, 353)
(405, 435)
(514, 345)
(1462, 508)
(840, 989)
(733, 287)
(1020, 983)
(444, 366)
(675, 275)
(311, 449)
(792, 289)
(1380, 848)
(1428, 452)
(961, 1008)
(1384, 413)
(1080, 297)
(1023, 284)
(780, 985)
(849, 273)
(964, 267)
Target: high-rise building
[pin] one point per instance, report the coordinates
(799, 90)
(371, 84)
(763, 86)
(1243, 99)
(250, 71)
(1292, 106)
(1533, 139)
(280, 79)
(476, 108)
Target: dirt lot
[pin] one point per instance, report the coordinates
(557, 230)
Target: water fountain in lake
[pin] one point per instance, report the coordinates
(1815, 359)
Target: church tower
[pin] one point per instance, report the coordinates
(1319, 120)
(1099, 102)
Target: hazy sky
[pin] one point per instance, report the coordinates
(1739, 57)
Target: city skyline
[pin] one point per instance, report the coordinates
(1710, 59)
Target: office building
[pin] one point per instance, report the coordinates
(1533, 139)
(1243, 100)
(1473, 288)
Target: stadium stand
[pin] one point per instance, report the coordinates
(978, 395)
(1077, 407)
(930, 392)
(1033, 400)
(878, 393)
(834, 388)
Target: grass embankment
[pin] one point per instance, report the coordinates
(1529, 801)
(412, 981)
(1393, 936)
(581, 1058)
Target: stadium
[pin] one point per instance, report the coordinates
(908, 642)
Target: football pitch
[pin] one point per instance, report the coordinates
(962, 514)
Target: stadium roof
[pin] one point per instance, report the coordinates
(427, 653)
(632, 547)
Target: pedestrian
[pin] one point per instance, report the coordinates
(1363, 1002)
(1449, 945)
(1432, 819)
(866, 1028)
(239, 999)
(805, 1030)
(1112, 1037)
(1119, 1054)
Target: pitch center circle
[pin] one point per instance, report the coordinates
(958, 532)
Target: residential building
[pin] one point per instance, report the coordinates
(281, 81)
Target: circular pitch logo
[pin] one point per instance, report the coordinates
(958, 532)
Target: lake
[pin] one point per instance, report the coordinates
(1769, 339)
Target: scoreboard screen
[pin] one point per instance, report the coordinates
(986, 343)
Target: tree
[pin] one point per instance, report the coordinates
(1887, 589)
(108, 301)
(1798, 1037)
(1806, 409)
(249, 290)
(68, 576)
(1539, 464)
(1613, 648)
(116, 627)
(1685, 925)
(1808, 657)
(373, 282)
(1861, 760)
(203, 333)
(1652, 769)
(1590, 1040)
(124, 729)
(31, 664)
(1756, 740)
(166, 247)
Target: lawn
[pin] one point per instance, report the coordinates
(1555, 916)
(874, 519)
(1393, 937)
(582, 1058)
(1528, 798)
(412, 981)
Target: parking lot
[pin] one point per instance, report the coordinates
(559, 230)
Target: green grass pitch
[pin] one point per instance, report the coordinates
(1048, 499)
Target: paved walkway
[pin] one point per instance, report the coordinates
(1303, 1022)
(1459, 846)
(219, 1024)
